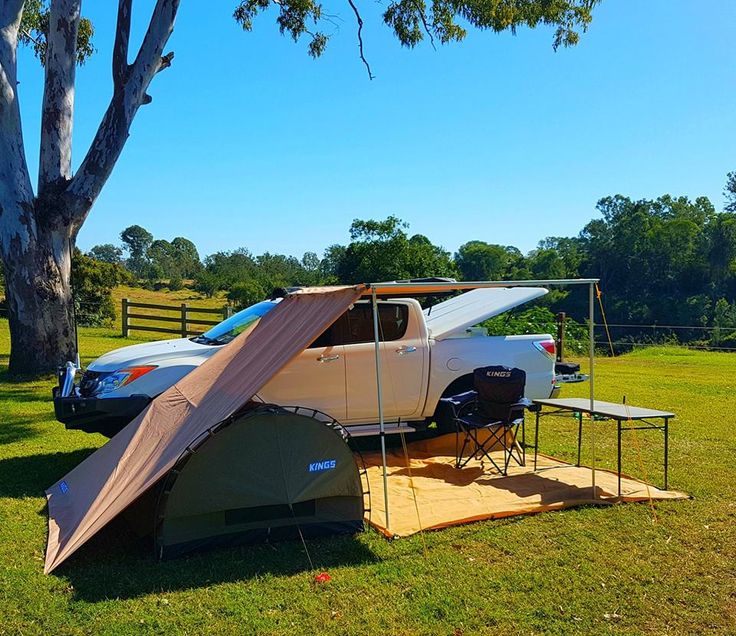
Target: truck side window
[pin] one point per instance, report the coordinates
(330, 336)
(323, 340)
(358, 324)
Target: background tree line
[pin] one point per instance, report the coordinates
(151, 259)
(668, 261)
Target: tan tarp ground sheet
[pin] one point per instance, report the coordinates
(447, 496)
(113, 477)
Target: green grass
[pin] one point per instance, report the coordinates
(609, 570)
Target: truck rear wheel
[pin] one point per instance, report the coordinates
(443, 414)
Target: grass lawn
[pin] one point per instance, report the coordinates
(618, 570)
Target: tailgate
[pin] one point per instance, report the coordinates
(473, 307)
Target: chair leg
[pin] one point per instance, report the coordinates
(479, 449)
(521, 452)
(470, 441)
(518, 451)
(459, 460)
(514, 450)
(457, 445)
(493, 438)
(506, 452)
(472, 447)
(523, 443)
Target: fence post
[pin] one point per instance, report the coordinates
(125, 317)
(183, 320)
(561, 317)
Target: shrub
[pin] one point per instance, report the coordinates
(538, 320)
(207, 283)
(176, 282)
(92, 284)
(246, 294)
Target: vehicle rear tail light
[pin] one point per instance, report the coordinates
(547, 347)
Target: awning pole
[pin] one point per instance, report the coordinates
(380, 402)
(591, 353)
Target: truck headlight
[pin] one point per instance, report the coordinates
(121, 377)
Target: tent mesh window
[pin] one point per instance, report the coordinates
(269, 473)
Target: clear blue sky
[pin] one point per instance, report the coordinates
(249, 142)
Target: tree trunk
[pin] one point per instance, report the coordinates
(37, 232)
(38, 294)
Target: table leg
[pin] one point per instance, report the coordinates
(619, 457)
(536, 439)
(580, 435)
(666, 449)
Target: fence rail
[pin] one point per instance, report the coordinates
(658, 326)
(184, 320)
(628, 344)
(654, 335)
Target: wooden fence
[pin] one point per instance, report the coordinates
(187, 321)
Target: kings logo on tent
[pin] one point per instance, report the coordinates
(326, 464)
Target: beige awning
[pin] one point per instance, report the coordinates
(427, 289)
(113, 477)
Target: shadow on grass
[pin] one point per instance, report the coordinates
(29, 395)
(28, 404)
(117, 564)
(14, 429)
(29, 476)
(14, 381)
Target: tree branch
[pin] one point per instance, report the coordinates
(29, 35)
(360, 38)
(148, 60)
(57, 117)
(120, 48)
(127, 98)
(423, 18)
(16, 191)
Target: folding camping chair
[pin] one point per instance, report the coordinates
(491, 414)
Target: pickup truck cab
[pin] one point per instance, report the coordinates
(425, 355)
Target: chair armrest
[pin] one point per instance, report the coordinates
(526, 403)
(457, 402)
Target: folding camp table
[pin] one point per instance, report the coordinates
(624, 414)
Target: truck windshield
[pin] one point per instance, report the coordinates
(228, 329)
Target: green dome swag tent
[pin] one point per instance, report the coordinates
(270, 473)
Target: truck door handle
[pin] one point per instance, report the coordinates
(328, 358)
(404, 350)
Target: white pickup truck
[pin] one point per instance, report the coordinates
(426, 354)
